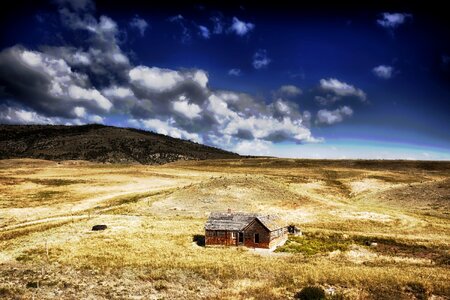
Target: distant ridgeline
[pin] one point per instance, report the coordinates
(99, 143)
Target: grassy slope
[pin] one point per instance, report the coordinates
(100, 143)
(154, 212)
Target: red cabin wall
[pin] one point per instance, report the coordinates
(249, 235)
(220, 237)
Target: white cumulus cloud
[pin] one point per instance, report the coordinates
(253, 147)
(241, 28)
(234, 72)
(289, 91)
(168, 128)
(79, 111)
(383, 71)
(164, 79)
(330, 117)
(155, 78)
(10, 115)
(260, 59)
(118, 92)
(341, 88)
(79, 93)
(393, 20)
(139, 24)
(189, 110)
(204, 31)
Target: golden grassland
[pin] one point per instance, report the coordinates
(372, 230)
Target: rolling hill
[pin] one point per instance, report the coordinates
(99, 143)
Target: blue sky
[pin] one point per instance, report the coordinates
(293, 81)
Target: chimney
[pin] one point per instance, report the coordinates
(229, 210)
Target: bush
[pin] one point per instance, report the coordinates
(4, 292)
(311, 244)
(417, 289)
(32, 284)
(337, 296)
(311, 293)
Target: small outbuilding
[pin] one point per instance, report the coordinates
(246, 229)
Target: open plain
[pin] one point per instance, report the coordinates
(371, 229)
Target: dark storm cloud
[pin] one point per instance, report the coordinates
(101, 56)
(41, 82)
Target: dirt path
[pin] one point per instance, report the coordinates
(84, 206)
(42, 221)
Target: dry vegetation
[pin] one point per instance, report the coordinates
(373, 230)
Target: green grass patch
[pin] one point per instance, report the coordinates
(315, 243)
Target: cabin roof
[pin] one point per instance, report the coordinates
(239, 220)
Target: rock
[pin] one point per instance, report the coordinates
(373, 244)
(99, 227)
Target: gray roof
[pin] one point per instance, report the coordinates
(239, 220)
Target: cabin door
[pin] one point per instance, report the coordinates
(240, 238)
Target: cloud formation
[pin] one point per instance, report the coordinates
(47, 84)
(338, 89)
(260, 59)
(288, 91)
(383, 71)
(234, 72)
(241, 28)
(393, 20)
(139, 24)
(330, 117)
(96, 81)
(204, 31)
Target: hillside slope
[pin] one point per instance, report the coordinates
(98, 143)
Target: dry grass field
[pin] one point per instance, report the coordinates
(372, 230)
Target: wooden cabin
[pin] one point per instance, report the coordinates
(245, 229)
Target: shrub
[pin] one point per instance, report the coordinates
(417, 289)
(199, 239)
(311, 244)
(311, 293)
(4, 291)
(32, 284)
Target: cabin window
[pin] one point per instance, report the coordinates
(220, 233)
(256, 238)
